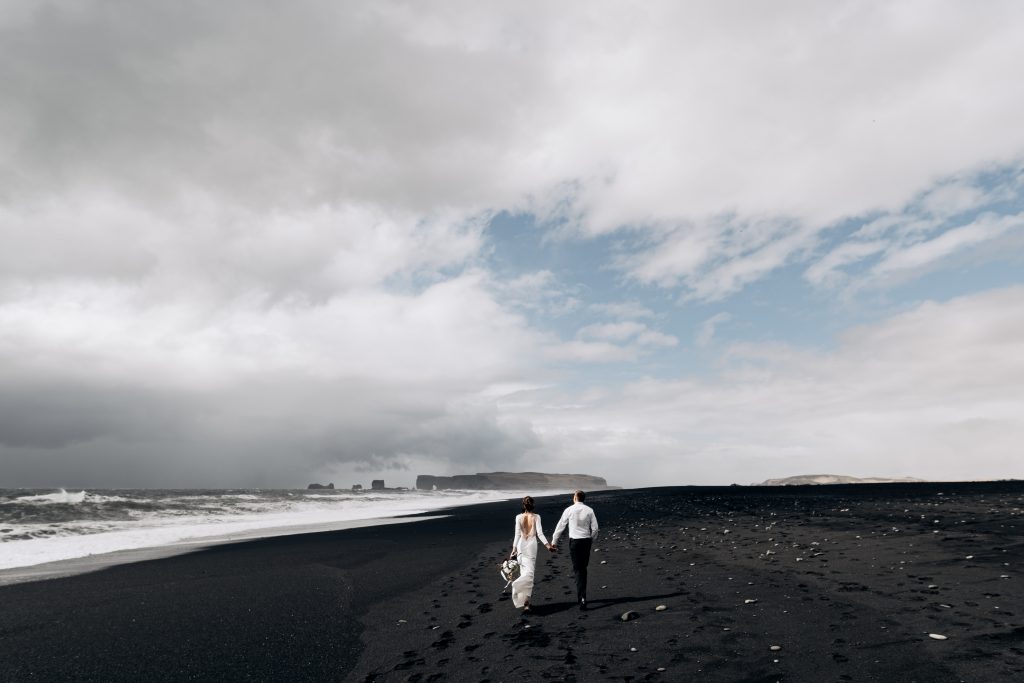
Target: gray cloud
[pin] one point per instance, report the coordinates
(267, 433)
(244, 241)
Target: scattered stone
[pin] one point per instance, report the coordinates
(969, 557)
(660, 608)
(932, 586)
(660, 668)
(945, 606)
(936, 636)
(632, 649)
(402, 621)
(749, 601)
(604, 561)
(775, 648)
(629, 615)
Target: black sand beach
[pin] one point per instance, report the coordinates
(847, 582)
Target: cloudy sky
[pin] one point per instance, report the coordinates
(262, 244)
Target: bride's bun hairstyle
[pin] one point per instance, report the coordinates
(527, 504)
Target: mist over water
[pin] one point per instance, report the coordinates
(38, 526)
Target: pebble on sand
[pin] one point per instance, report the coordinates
(632, 649)
(936, 636)
(660, 608)
(749, 601)
(627, 616)
(775, 648)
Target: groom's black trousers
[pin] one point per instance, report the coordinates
(579, 551)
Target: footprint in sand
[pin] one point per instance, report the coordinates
(446, 639)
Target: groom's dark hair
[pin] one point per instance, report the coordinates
(580, 496)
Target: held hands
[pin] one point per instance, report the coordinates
(551, 547)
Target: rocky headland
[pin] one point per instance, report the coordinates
(513, 481)
(809, 479)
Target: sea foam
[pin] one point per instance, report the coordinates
(37, 528)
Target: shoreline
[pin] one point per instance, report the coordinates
(847, 581)
(163, 535)
(99, 561)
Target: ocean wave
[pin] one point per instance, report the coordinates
(37, 530)
(61, 497)
(25, 532)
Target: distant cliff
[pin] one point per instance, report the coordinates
(805, 479)
(512, 481)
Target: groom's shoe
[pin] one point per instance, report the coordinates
(583, 604)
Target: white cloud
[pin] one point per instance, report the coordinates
(933, 393)
(277, 390)
(707, 329)
(223, 249)
(591, 352)
(539, 291)
(925, 254)
(615, 332)
(954, 219)
(629, 333)
(261, 229)
(626, 310)
(827, 271)
(695, 116)
(655, 338)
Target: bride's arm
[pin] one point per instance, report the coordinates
(540, 531)
(515, 538)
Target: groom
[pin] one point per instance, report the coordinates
(582, 525)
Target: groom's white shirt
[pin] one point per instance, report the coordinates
(581, 521)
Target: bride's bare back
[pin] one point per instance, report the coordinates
(527, 524)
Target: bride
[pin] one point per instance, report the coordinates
(524, 544)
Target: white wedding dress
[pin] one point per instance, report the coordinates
(525, 544)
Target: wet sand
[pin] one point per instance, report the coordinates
(846, 582)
